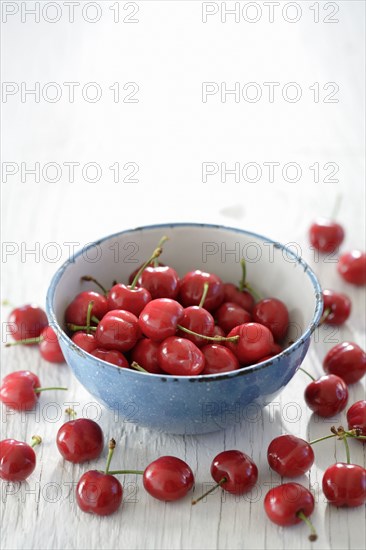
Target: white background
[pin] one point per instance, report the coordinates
(169, 133)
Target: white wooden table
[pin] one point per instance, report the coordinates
(169, 134)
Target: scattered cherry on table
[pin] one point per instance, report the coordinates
(346, 360)
(326, 396)
(20, 390)
(80, 440)
(356, 418)
(17, 459)
(290, 456)
(27, 322)
(352, 267)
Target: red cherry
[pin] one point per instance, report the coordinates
(98, 493)
(134, 273)
(356, 418)
(230, 315)
(112, 356)
(159, 318)
(339, 306)
(192, 286)
(352, 267)
(326, 235)
(345, 485)
(198, 320)
(238, 470)
(255, 342)
(290, 456)
(346, 360)
(160, 281)
(273, 314)
(145, 354)
(234, 471)
(118, 330)
(276, 349)
(76, 311)
(130, 299)
(327, 396)
(218, 359)
(243, 298)
(168, 478)
(17, 459)
(20, 390)
(80, 440)
(265, 358)
(180, 357)
(27, 322)
(49, 347)
(85, 341)
(289, 504)
(17, 390)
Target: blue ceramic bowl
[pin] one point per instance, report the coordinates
(197, 404)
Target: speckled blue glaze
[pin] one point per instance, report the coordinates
(183, 405)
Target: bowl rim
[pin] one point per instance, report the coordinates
(306, 334)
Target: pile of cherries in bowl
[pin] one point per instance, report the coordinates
(160, 323)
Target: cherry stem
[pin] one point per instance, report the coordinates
(88, 316)
(35, 340)
(112, 446)
(38, 390)
(313, 535)
(137, 472)
(323, 318)
(160, 245)
(348, 455)
(322, 439)
(243, 275)
(89, 278)
(94, 319)
(36, 440)
(154, 255)
(223, 480)
(75, 328)
(136, 366)
(204, 294)
(253, 292)
(213, 338)
(306, 372)
(70, 412)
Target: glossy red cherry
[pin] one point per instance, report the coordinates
(27, 322)
(80, 440)
(20, 390)
(17, 459)
(112, 356)
(346, 360)
(118, 330)
(99, 493)
(218, 359)
(327, 396)
(241, 297)
(290, 456)
(230, 315)
(124, 297)
(345, 485)
(326, 235)
(168, 478)
(49, 347)
(352, 267)
(85, 341)
(192, 286)
(234, 471)
(198, 320)
(289, 504)
(159, 318)
(255, 342)
(339, 306)
(76, 311)
(273, 314)
(180, 357)
(145, 354)
(356, 418)
(134, 273)
(17, 390)
(160, 281)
